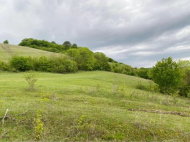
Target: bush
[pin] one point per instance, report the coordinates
(42, 64)
(168, 75)
(60, 64)
(6, 42)
(31, 79)
(21, 63)
(4, 66)
(184, 90)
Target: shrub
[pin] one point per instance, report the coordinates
(4, 66)
(21, 63)
(31, 79)
(168, 75)
(6, 42)
(62, 65)
(184, 90)
(41, 64)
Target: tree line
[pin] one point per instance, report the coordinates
(171, 76)
(85, 58)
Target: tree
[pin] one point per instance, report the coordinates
(6, 42)
(168, 75)
(101, 62)
(84, 58)
(74, 45)
(74, 54)
(67, 45)
(144, 73)
(53, 42)
(185, 87)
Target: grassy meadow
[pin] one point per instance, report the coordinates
(8, 50)
(89, 106)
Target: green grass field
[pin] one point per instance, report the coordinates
(89, 106)
(8, 50)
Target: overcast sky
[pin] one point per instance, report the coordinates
(135, 32)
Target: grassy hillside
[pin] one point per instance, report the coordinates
(8, 50)
(89, 106)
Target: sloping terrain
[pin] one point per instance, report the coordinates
(8, 50)
(89, 106)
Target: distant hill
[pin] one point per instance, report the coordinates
(8, 50)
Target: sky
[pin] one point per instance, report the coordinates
(135, 32)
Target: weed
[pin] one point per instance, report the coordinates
(38, 126)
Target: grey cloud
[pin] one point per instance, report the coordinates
(122, 29)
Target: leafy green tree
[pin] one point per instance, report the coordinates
(184, 90)
(53, 42)
(86, 60)
(74, 54)
(144, 73)
(74, 45)
(168, 75)
(6, 42)
(83, 56)
(67, 45)
(101, 62)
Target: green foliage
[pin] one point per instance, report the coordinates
(42, 44)
(112, 60)
(42, 64)
(74, 54)
(38, 126)
(74, 46)
(121, 68)
(21, 63)
(84, 58)
(67, 44)
(6, 42)
(101, 62)
(31, 79)
(184, 89)
(144, 73)
(4, 66)
(61, 64)
(168, 75)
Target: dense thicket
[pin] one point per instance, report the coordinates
(53, 64)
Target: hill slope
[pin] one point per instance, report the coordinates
(8, 50)
(89, 106)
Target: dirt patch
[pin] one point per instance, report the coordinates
(161, 112)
